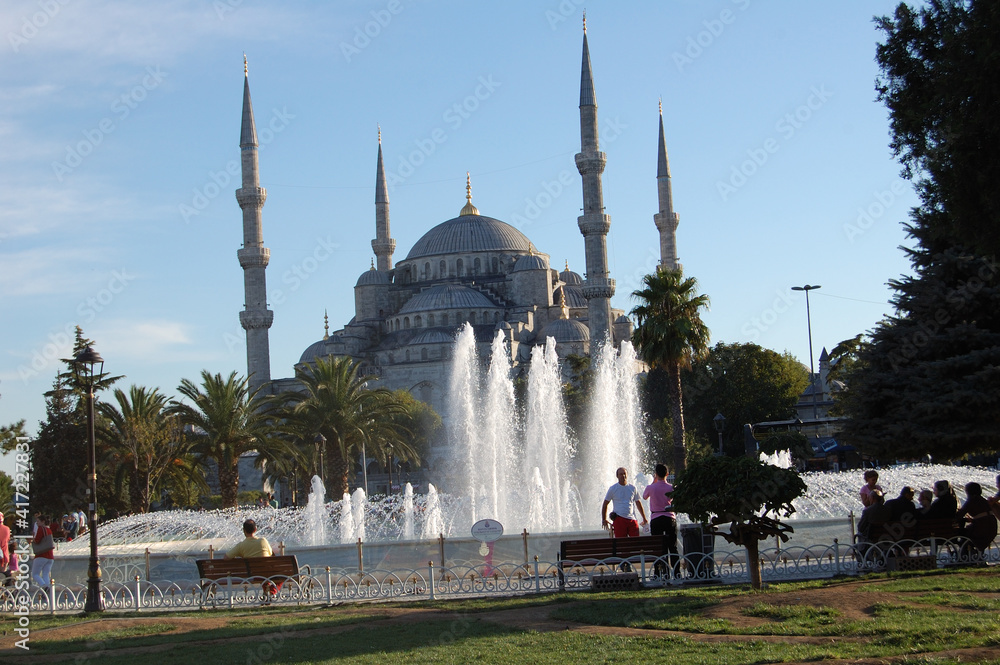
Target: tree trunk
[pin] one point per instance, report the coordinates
(134, 492)
(753, 561)
(337, 472)
(229, 483)
(677, 415)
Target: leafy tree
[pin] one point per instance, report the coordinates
(6, 494)
(940, 66)
(335, 401)
(669, 334)
(227, 421)
(145, 445)
(746, 383)
(741, 491)
(9, 435)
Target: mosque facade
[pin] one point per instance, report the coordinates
(470, 269)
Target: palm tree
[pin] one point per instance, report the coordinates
(669, 333)
(228, 420)
(146, 447)
(334, 401)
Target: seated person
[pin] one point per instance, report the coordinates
(873, 518)
(871, 484)
(902, 514)
(925, 500)
(945, 505)
(981, 527)
(252, 545)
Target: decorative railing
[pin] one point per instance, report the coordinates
(124, 590)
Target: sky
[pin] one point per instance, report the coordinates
(119, 133)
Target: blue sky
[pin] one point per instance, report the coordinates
(120, 127)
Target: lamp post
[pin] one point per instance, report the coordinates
(320, 442)
(812, 376)
(88, 366)
(720, 425)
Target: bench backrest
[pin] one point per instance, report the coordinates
(256, 567)
(595, 549)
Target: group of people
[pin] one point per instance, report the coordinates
(72, 525)
(896, 518)
(623, 497)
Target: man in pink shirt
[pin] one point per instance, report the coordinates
(663, 521)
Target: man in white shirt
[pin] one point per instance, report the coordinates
(623, 496)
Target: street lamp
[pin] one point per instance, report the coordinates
(88, 366)
(720, 425)
(320, 442)
(812, 376)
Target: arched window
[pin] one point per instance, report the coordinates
(459, 267)
(444, 319)
(477, 266)
(427, 270)
(495, 265)
(423, 354)
(444, 269)
(418, 321)
(406, 323)
(430, 320)
(472, 318)
(496, 317)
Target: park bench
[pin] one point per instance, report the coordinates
(264, 569)
(591, 552)
(895, 540)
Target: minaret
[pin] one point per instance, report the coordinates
(256, 317)
(594, 224)
(383, 244)
(666, 220)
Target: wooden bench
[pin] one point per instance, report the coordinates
(593, 551)
(239, 570)
(894, 540)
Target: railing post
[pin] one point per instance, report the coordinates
(538, 582)
(642, 567)
(281, 548)
(361, 559)
(211, 551)
(229, 588)
(329, 585)
(138, 591)
(524, 538)
(430, 564)
(836, 553)
(147, 564)
(51, 595)
(441, 548)
(854, 526)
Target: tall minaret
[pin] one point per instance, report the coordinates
(383, 244)
(666, 220)
(256, 317)
(594, 224)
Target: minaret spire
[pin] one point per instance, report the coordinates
(255, 318)
(383, 245)
(666, 219)
(468, 208)
(594, 224)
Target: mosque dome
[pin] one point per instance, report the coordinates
(374, 277)
(531, 262)
(623, 319)
(470, 233)
(447, 296)
(571, 278)
(574, 296)
(565, 330)
(432, 337)
(320, 349)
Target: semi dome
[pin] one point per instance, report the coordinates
(574, 296)
(320, 349)
(565, 330)
(374, 277)
(470, 233)
(447, 296)
(432, 337)
(571, 278)
(531, 262)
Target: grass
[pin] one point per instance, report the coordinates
(925, 614)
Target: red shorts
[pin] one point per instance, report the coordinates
(625, 528)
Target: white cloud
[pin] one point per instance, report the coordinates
(142, 340)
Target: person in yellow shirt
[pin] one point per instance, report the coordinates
(251, 546)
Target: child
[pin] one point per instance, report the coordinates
(871, 483)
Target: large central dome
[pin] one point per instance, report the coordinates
(470, 233)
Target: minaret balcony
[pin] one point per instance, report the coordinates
(255, 319)
(590, 163)
(381, 247)
(667, 221)
(251, 196)
(594, 224)
(598, 287)
(254, 257)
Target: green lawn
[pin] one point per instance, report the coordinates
(918, 615)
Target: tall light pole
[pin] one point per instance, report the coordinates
(320, 442)
(88, 366)
(812, 376)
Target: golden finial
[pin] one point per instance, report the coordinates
(563, 309)
(584, 21)
(567, 265)
(468, 209)
(326, 325)
(379, 134)
(246, 72)
(373, 265)
(661, 106)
